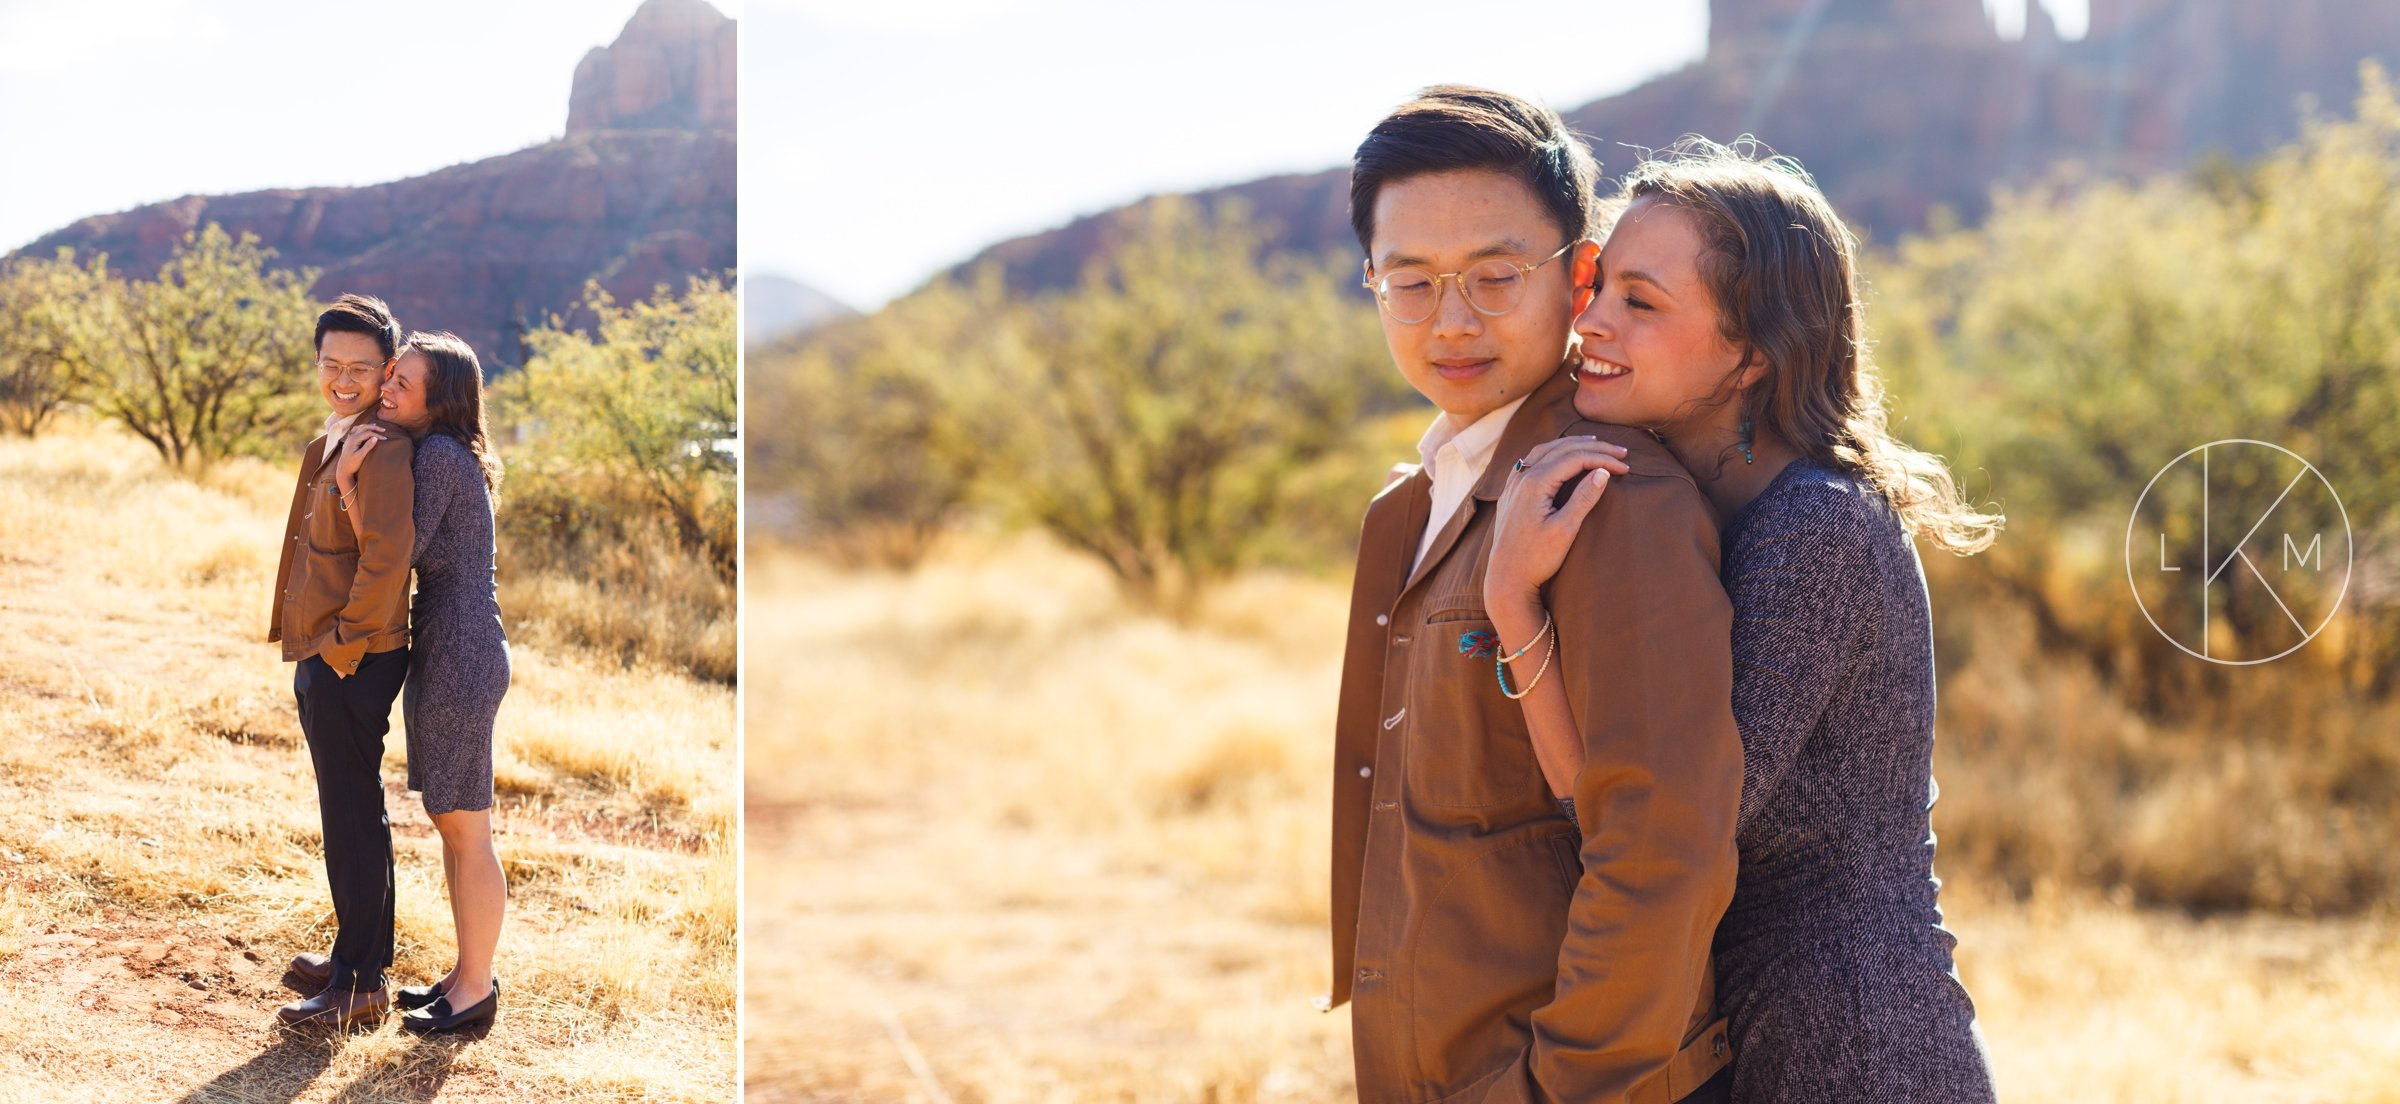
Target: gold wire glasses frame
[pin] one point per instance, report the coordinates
(1412, 295)
(334, 369)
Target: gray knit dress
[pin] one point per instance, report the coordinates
(458, 656)
(1832, 963)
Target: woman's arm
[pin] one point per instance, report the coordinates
(360, 441)
(1557, 746)
(1530, 538)
(379, 583)
(1642, 660)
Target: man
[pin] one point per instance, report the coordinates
(1486, 952)
(341, 611)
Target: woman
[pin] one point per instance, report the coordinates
(458, 663)
(1727, 321)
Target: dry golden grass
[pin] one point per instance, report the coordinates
(158, 832)
(2274, 787)
(1013, 841)
(640, 601)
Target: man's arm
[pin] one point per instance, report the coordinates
(1645, 657)
(386, 532)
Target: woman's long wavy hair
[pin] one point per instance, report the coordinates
(454, 398)
(1782, 267)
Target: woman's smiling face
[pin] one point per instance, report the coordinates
(404, 393)
(1654, 352)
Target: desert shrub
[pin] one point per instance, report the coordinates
(647, 403)
(617, 513)
(38, 300)
(1174, 416)
(208, 360)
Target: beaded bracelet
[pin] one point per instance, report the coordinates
(1537, 638)
(1500, 669)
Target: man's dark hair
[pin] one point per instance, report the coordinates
(361, 314)
(1450, 127)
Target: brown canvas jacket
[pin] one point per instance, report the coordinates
(1488, 953)
(338, 594)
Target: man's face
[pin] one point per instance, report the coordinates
(349, 372)
(1467, 362)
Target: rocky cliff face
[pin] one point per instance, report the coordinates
(640, 192)
(672, 67)
(1738, 27)
(1899, 106)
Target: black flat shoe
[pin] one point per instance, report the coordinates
(414, 997)
(439, 1017)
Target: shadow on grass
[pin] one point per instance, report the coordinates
(282, 1072)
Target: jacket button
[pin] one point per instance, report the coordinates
(1366, 772)
(1719, 1046)
(1382, 619)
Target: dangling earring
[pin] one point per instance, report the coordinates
(1746, 439)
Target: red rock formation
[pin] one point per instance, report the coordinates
(635, 198)
(1899, 106)
(1755, 27)
(671, 67)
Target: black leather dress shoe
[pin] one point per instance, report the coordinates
(439, 1016)
(413, 997)
(315, 969)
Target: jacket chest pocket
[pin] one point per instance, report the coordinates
(1467, 746)
(324, 522)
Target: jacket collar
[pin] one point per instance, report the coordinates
(323, 446)
(1546, 414)
(1548, 410)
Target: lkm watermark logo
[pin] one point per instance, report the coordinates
(2238, 552)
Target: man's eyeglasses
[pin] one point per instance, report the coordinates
(1492, 288)
(362, 371)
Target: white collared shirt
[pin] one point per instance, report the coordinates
(337, 429)
(1455, 457)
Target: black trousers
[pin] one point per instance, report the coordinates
(1715, 1090)
(345, 720)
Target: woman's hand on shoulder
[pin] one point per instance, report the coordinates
(362, 440)
(1533, 530)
